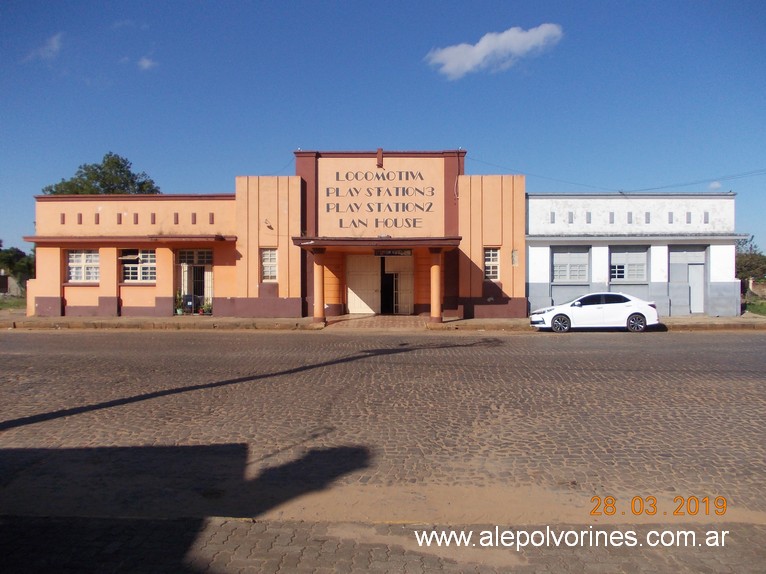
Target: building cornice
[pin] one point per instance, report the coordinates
(124, 239)
(635, 238)
(633, 195)
(386, 153)
(126, 197)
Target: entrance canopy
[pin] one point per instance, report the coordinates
(383, 246)
(352, 243)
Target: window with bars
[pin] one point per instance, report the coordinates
(138, 265)
(83, 266)
(492, 264)
(628, 264)
(570, 265)
(268, 264)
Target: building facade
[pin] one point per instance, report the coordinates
(378, 232)
(675, 249)
(351, 232)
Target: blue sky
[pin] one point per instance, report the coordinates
(579, 96)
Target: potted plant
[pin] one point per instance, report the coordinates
(179, 303)
(206, 309)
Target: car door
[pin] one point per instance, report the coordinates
(588, 311)
(616, 310)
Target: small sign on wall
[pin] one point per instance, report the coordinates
(393, 252)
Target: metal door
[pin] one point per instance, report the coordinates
(696, 288)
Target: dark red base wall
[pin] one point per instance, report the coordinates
(510, 308)
(49, 306)
(268, 307)
(479, 308)
(256, 307)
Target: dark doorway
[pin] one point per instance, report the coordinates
(194, 299)
(198, 281)
(387, 289)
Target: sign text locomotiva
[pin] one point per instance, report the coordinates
(379, 201)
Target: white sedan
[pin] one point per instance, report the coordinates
(598, 310)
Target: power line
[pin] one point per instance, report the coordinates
(282, 168)
(522, 172)
(730, 177)
(745, 174)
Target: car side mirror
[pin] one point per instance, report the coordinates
(576, 304)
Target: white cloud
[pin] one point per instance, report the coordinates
(714, 186)
(495, 50)
(48, 51)
(147, 63)
(123, 24)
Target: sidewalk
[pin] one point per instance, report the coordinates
(16, 319)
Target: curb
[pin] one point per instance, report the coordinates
(510, 325)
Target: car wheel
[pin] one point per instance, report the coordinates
(561, 324)
(636, 323)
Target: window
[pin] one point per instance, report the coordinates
(587, 217)
(553, 217)
(688, 217)
(138, 265)
(611, 217)
(491, 263)
(614, 298)
(83, 266)
(706, 217)
(570, 217)
(589, 300)
(670, 217)
(630, 217)
(570, 265)
(628, 264)
(196, 256)
(647, 217)
(268, 264)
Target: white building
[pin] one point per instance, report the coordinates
(675, 249)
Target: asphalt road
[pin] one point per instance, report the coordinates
(323, 451)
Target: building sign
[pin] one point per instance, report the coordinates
(393, 252)
(405, 198)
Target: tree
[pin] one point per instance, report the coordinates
(18, 264)
(747, 245)
(750, 262)
(113, 175)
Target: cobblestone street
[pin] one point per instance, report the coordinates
(324, 451)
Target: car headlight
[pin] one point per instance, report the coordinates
(542, 311)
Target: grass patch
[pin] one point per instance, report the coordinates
(757, 307)
(13, 303)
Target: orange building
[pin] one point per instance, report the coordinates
(351, 232)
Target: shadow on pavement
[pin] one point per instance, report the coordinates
(139, 509)
(359, 355)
